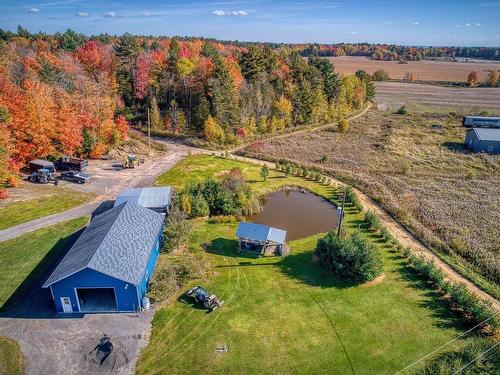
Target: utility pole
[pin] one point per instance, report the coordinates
(341, 217)
(149, 135)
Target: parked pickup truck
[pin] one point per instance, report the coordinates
(75, 176)
(68, 163)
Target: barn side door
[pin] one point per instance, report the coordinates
(66, 304)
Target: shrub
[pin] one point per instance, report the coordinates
(473, 355)
(380, 75)
(354, 258)
(386, 235)
(353, 198)
(177, 230)
(12, 181)
(172, 273)
(402, 110)
(371, 220)
(4, 194)
(343, 125)
(199, 206)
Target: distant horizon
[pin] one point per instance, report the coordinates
(252, 41)
(460, 23)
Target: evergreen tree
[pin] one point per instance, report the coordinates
(253, 63)
(70, 40)
(200, 113)
(224, 106)
(154, 114)
(126, 50)
(264, 172)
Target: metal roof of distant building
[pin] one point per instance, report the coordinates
(486, 134)
(260, 232)
(117, 243)
(150, 197)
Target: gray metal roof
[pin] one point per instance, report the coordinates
(260, 232)
(117, 243)
(485, 134)
(150, 197)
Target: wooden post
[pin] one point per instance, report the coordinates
(341, 218)
(149, 134)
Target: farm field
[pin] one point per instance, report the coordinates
(288, 315)
(27, 257)
(426, 70)
(431, 98)
(417, 168)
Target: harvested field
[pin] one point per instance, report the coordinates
(426, 70)
(416, 167)
(430, 98)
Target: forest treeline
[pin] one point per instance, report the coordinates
(72, 94)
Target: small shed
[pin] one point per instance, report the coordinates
(261, 239)
(481, 122)
(155, 198)
(110, 265)
(483, 140)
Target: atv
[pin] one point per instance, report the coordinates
(201, 295)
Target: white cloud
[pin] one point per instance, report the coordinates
(34, 10)
(147, 14)
(352, 32)
(416, 23)
(109, 14)
(236, 13)
(478, 24)
(458, 25)
(467, 24)
(82, 14)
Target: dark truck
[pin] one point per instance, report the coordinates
(68, 163)
(37, 164)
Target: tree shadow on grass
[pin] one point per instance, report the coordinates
(30, 300)
(227, 247)
(301, 267)
(456, 147)
(432, 299)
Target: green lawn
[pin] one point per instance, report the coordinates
(288, 315)
(26, 257)
(11, 359)
(23, 211)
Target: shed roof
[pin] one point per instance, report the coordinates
(260, 232)
(485, 134)
(150, 197)
(117, 243)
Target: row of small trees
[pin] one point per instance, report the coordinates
(491, 80)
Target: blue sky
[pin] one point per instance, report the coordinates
(437, 22)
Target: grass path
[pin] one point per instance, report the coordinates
(289, 315)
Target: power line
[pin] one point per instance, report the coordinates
(449, 342)
(475, 359)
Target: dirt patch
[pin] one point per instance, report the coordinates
(373, 282)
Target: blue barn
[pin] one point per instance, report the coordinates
(109, 266)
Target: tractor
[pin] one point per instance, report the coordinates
(42, 176)
(201, 295)
(131, 161)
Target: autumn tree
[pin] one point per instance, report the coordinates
(472, 79)
(213, 132)
(493, 78)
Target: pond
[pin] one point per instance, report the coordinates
(300, 214)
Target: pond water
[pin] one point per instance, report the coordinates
(300, 214)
